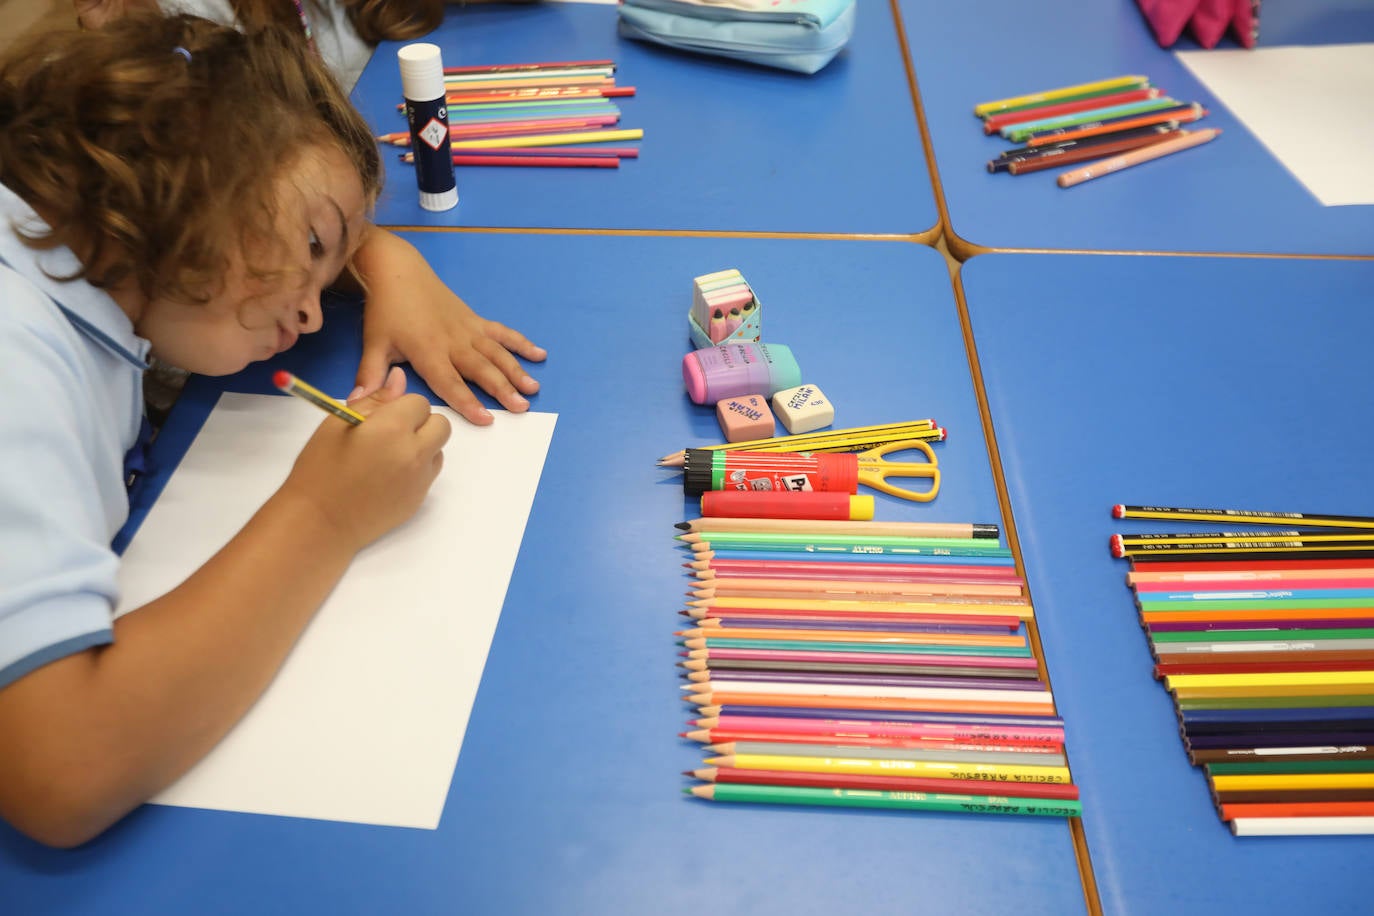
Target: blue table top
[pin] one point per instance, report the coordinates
(1236, 383)
(727, 146)
(566, 798)
(1231, 196)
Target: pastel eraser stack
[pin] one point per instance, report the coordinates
(744, 418)
(803, 408)
(724, 310)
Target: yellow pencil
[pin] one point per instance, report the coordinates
(1271, 679)
(1267, 781)
(940, 769)
(306, 392)
(582, 136)
(1100, 87)
(853, 439)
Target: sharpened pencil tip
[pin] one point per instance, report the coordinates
(683, 526)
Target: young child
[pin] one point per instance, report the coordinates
(171, 184)
(411, 315)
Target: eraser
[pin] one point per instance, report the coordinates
(803, 409)
(745, 417)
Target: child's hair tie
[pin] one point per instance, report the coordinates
(183, 52)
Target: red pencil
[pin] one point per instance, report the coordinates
(1169, 116)
(832, 569)
(1000, 744)
(1299, 809)
(588, 162)
(996, 122)
(624, 152)
(545, 65)
(1175, 567)
(890, 783)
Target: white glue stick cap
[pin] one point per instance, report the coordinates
(422, 72)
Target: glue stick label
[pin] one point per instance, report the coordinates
(764, 480)
(429, 141)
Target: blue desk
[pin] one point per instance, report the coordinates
(1168, 381)
(1233, 196)
(727, 146)
(566, 799)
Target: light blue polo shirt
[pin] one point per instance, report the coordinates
(72, 405)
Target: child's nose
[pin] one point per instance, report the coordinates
(309, 315)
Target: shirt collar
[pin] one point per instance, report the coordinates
(91, 311)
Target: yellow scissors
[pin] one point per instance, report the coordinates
(874, 469)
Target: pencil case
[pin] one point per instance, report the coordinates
(802, 36)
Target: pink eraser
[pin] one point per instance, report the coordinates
(745, 417)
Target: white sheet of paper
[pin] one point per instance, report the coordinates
(365, 720)
(1309, 105)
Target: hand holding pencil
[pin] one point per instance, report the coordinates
(361, 479)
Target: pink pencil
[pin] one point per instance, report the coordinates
(758, 586)
(877, 727)
(540, 65)
(851, 570)
(868, 658)
(513, 129)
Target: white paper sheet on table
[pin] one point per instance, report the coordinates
(1309, 105)
(365, 720)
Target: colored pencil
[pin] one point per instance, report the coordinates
(725, 667)
(1020, 133)
(848, 569)
(860, 683)
(623, 152)
(1248, 516)
(830, 537)
(1062, 93)
(723, 626)
(933, 769)
(909, 801)
(997, 607)
(901, 719)
(993, 123)
(715, 735)
(526, 67)
(916, 620)
(1302, 826)
(1055, 158)
(857, 588)
(1138, 156)
(888, 752)
(1173, 118)
(930, 701)
(879, 782)
(588, 136)
(947, 530)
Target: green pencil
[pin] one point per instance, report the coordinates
(869, 798)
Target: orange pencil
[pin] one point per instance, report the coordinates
(1136, 157)
(1335, 613)
(1298, 809)
(1173, 118)
(889, 637)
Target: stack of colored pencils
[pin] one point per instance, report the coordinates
(1265, 639)
(1113, 124)
(536, 114)
(895, 672)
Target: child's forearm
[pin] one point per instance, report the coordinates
(90, 737)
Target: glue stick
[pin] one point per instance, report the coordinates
(422, 84)
(736, 369)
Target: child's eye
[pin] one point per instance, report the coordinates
(316, 246)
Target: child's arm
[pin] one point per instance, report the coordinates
(412, 316)
(88, 737)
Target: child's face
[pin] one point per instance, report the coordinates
(321, 221)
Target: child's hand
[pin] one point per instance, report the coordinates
(367, 479)
(412, 316)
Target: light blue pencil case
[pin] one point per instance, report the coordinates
(799, 35)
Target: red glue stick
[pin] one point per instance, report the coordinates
(707, 469)
(786, 504)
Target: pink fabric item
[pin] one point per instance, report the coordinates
(1210, 20)
(1245, 23)
(1167, 18)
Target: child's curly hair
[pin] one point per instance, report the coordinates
(156, 169)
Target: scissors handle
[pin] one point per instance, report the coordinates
(874, 470)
